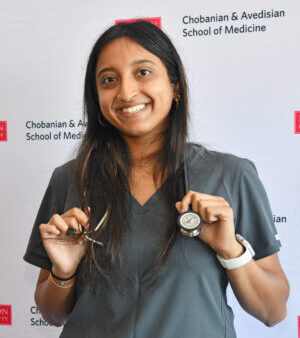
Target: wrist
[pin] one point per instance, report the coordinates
(62, 275)
(244, 258)
(234, 251)
(60, 282)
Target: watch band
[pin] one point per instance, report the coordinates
(234, 263)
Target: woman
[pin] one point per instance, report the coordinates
(135, 273)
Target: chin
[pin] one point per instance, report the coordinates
(145, 130)
(134, 133)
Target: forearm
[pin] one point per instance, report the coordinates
(261, 292)
(54, 302)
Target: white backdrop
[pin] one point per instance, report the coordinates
(245, 95)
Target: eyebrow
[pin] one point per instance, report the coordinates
(134, 63)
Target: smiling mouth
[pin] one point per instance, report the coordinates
(134, 109)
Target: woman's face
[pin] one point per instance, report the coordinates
(134, 89)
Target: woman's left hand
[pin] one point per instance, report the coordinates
(217, 229)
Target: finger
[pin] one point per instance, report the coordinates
(215, 213)
(80, 216)
(186, 201)
(178, 206)
(49, 231)
(59, 222)
(191, 195)
(73, 224)
(201, 206)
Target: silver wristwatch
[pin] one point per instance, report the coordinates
(246, 257)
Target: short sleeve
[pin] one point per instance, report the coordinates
(53, 202)
(254, 219)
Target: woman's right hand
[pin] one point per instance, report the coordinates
(65, 254)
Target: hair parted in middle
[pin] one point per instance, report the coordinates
(103, 163)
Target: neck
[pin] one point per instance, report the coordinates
(143, 151)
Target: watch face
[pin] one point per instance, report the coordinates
(189, 220)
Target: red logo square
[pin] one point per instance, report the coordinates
(298, 326)
(5, 314)
(297, 122)
(3, 131)
(156, 21)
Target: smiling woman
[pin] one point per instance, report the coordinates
(136, 273)
(134, 89)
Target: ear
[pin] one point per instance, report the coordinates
(175, 90)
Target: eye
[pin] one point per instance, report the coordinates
(108, 80)
(144, 72)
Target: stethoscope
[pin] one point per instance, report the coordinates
(189, 221)
(85, 235)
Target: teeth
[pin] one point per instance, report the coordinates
(133, 109)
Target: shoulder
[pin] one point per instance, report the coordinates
(216, 169)
(211, 158)
(217, 162)
(64, 188)
(63, 174)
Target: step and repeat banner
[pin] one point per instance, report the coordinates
(242, 64)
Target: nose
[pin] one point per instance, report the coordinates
(128, 89)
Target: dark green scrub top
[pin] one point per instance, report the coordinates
(189, 301)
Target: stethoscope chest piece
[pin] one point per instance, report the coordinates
(189, 223)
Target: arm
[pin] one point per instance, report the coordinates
(55, 303)
(260, 286)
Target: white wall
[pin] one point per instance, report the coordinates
(244, 90)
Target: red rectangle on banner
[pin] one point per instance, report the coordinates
(156, 21)
(3, 130)
(5, 314)
(298, 326)
(297, 122)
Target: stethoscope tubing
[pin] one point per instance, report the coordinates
(98, 243)
(101, 244)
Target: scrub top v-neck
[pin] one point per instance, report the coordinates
(189, 300)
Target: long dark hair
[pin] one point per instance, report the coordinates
(103, 164)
